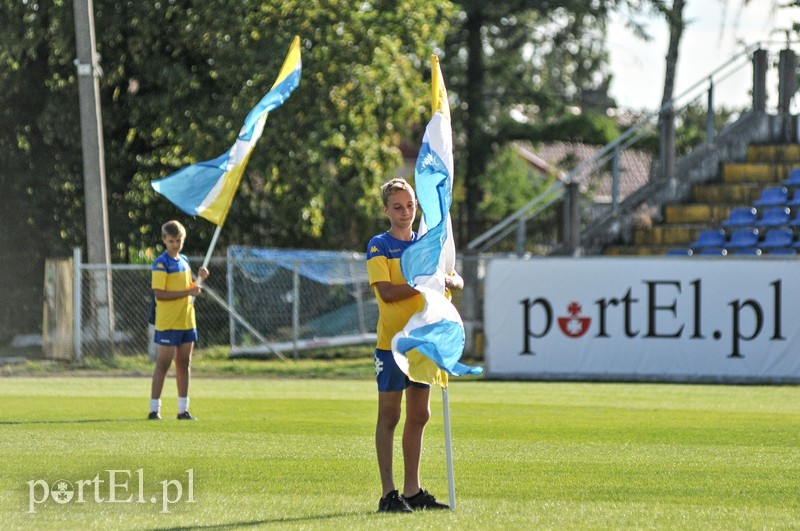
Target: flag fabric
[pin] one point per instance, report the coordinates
(207, 189)
(431, 344)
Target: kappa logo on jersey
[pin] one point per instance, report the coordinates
(574, 326)
(373, 249)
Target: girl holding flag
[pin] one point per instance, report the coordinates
(397, 302)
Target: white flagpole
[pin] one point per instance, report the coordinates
(211, 249)
(448, 446)
(207, 259)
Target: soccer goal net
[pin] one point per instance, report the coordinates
(298, 299)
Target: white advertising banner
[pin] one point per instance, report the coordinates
(649, 319)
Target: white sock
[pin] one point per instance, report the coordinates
(183, 404)
(155, 405)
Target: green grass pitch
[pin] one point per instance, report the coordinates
(298, 454)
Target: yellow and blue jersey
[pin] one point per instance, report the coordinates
(171, 274)
(383, 265)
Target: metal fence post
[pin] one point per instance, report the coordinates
(787, 85)
(572, 217)
(76, 302)
(760, 80)
(229, 281)
(362, 325)
(787, 79)
(615, 180)
(296, 309)
(470, 298)
(667, 132)
(710, 114)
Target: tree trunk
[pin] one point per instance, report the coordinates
(667, 117)
(476, 142)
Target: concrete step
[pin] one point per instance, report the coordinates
(740, 185)
(726, 194)
(697, 213)
(636, 250)
(785, 153)
(672, 235)
(750, 172)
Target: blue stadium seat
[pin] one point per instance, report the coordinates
(773, 197)
(709, 238)
(755, 251)
(741, 217)
(711, 251)
(783, 250)
(679, 252)
(794, 178)
(794, 202)
(774, 217)
(741, 238)
(777, 238)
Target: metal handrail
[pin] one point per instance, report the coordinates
(610, 150)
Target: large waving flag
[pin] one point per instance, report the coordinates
(207, 189)
(433, 339)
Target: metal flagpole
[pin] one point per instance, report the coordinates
(448, 447)
(210, 251)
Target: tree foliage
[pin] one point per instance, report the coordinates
(515, 69)
(179, 76)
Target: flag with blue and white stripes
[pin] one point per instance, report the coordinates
(433, 340)
(207, 189)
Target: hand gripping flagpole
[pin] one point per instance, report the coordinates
(434, 338)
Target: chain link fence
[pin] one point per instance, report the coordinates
(119, 324)
(256, 302)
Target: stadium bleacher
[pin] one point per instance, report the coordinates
(794, 179)
(741, 217)
(770, 225)
(776, 196)
(776, 216)
(708, 238)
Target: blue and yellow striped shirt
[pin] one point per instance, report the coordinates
(383, 265)
(170, 274)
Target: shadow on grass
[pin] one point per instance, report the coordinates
(73, 421)
(256, 523)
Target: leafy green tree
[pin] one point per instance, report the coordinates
(514, 182)
(37, 164)
(179, 76)
(515, 69)
(313, 179)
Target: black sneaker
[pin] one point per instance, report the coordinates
(185, 416)
(154, 416)
(424, 500)
(393, 503)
